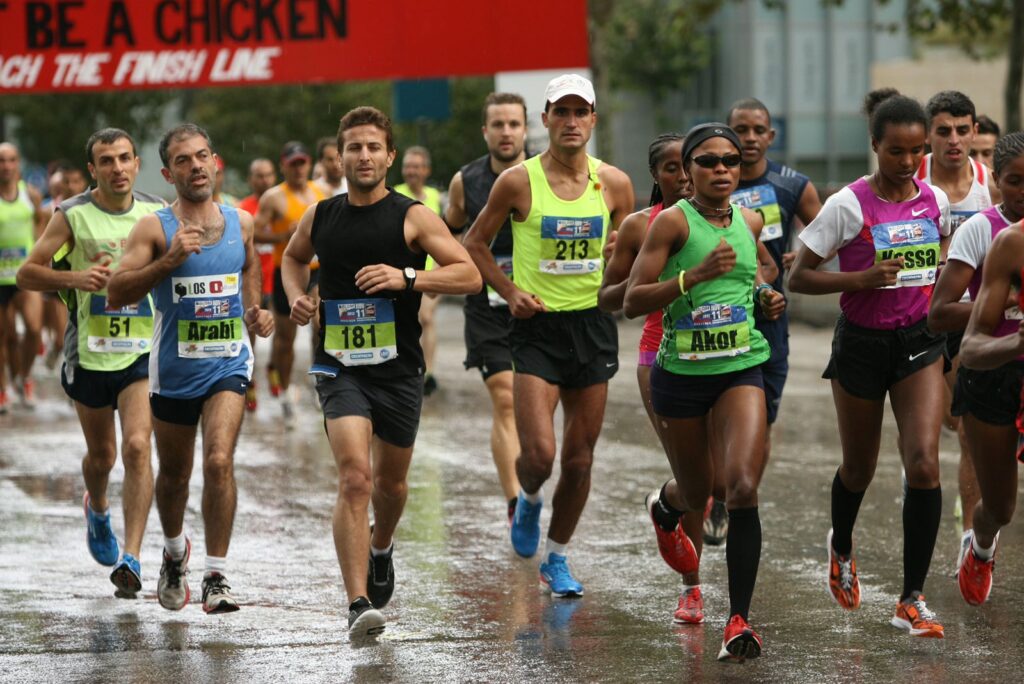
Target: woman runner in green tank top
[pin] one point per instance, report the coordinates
(699, 265)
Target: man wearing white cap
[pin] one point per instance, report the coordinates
(564, 205)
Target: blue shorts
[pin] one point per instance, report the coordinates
(188, 411)
(99, 389)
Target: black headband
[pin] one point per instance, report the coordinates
(702, 132)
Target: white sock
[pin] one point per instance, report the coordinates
(554, 547)
(374, 551)
(534, 498)
(102, 515)
(984, 554)
(175, 546)
(215, 564)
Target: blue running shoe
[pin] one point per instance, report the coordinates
(556, 578)
(127, 577)
(100, 536)
(525, 529)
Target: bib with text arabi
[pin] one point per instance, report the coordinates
(209, 316)
(713, 331)
(762, 199)
(571, 246)
(360, 332)
(125, 329)
(917, 241)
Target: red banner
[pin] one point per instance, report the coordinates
(83, 45)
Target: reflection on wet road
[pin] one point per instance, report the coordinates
(466, 608)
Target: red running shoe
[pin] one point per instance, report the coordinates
(740, 642)
(973, 575)
(675, 547)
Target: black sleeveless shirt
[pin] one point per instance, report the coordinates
(346, 238)
(477, 180)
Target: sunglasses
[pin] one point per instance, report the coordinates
(710, 161)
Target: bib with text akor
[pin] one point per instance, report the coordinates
(712, 331)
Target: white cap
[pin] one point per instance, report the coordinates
(569, 84)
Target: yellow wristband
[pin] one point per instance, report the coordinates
(682, 282)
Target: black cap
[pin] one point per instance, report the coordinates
(292, 151)
(706, 131)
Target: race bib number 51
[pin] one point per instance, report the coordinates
(124, 329)
(571, 246)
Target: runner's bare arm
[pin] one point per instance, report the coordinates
(37, 274)
(39, 215)
(807, 279)
(616, 271)
(946, 312)
(148, 259)
(806, 210)
(455, 213)
(767, 269)
(644, 292)
(295, 269)
(979, 349)
(257, 320)
(267, 212)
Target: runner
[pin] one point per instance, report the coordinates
(280, 209)
(890, 231)
(332, 176)
(107, 359)
(486, 315)
(372, 244)
(219, 196)
(985, 141)
(987, 393)
(671, 184)
(970, 188)
(415, 172)
(780, 195)
(564, 204)
(262, 177)
(198, 260)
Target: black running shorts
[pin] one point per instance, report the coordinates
(393, 405)
(486, 332)
(572, 349)
(991, 396)
(99, 389)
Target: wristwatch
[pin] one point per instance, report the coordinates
(410, 277)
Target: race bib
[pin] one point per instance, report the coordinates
(917, 241)
(713, 331)
(505, 264)
(958, 218)
(124, 329)
(571, 246)
(11, 259)
(360, 332)
(209, 316)
(762, 199)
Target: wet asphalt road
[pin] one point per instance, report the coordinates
(466, 608)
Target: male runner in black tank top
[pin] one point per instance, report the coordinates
(487, 316)
(372, 244)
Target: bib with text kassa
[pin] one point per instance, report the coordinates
(713, 331)
(360, 332)
(11, 259)
(762, 199)
(917, 241)
(571, 245)
(124, 329)
(505, 264)
(209, 316)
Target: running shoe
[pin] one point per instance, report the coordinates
(716, 523)
(958, 510)
(691, 607)
(429, 384)
(364, 621)
(740, 641)
(217, 596)
(274, 380)
(512, 509)
(250, 397)
(917, 619)
(556, 578)
(99, 535)
(5, 403)
(675, 547)
(27, 393)
(843, 584)
(287, 407)
(172, 587)
(525, 529)
(53, 356)
(380, 580)
(127, 577)
(973, 575)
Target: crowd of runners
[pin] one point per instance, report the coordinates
(164, 301)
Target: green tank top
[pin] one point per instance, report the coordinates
(107, 339)
(17, 233)
(710, 330)
(556, 251)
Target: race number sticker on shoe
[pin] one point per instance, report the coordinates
(571, 246)
(505, 264)
(209, 316)
(762, 199)
(360, 332)
(713, 331)
(11, 259)
(125, 329)
(917, 241)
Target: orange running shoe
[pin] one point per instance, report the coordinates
(275, 381)
(917, 619)
(974, 575)
(675, 547)
(27, 390)
(691, 607)
(5, 402)
(250, 397)
(843, 584)
(740, 642)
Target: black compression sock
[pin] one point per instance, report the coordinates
(666, 517)
(922, 512)
(742, 556)
(845, 506)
